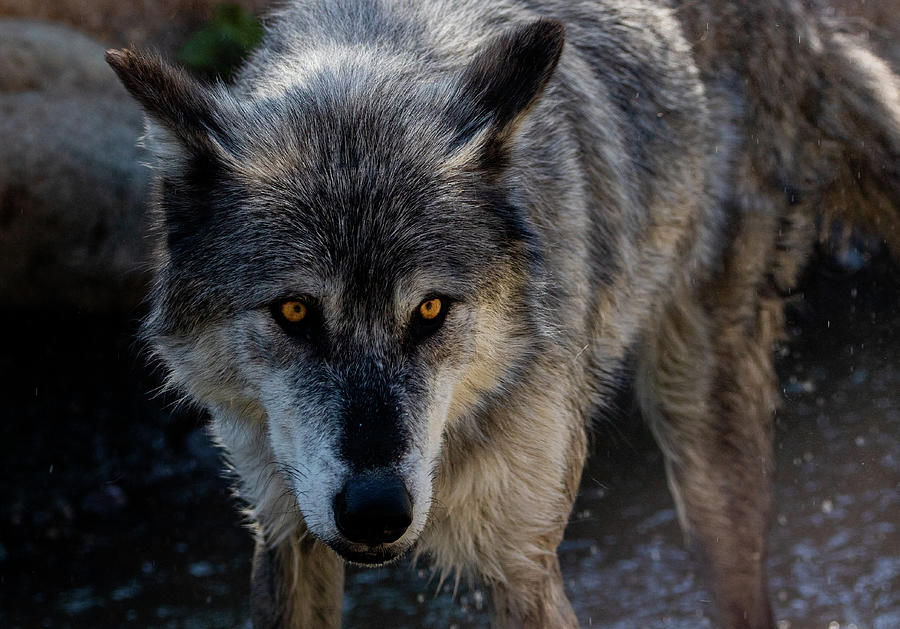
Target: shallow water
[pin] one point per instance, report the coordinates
(114, 510)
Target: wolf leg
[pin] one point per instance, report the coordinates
(706, 384)
(528, 592)
(502, 502)
(534, 599)
(527, 589)
(299, 583)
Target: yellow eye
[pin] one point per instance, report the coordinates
(293, 311)
(430, 309)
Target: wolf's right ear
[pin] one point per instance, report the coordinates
(171, 98)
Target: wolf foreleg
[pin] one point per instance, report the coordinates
(533, 601)
(299, 583)
(502, 502)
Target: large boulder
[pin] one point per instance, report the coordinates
(72, 187)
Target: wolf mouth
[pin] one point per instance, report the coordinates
(369, 557)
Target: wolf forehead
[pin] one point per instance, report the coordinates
(363, 167)
(341, 179)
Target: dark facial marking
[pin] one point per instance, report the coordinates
(373, 434)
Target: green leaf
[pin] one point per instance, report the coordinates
(218, 48)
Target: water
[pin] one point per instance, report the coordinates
(114, 510)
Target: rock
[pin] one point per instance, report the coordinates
(36, 56)
(72, 189)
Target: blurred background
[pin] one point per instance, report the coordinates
(114, 509)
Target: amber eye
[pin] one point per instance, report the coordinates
(293, 311)
(430, 309)
(428, 318)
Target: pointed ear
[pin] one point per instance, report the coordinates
(507, 76)
(172, 98)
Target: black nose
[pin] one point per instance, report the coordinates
(373, 508)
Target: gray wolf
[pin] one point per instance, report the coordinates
(403, 259)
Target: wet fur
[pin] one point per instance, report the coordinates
(650, 192)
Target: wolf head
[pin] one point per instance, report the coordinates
(342, 272)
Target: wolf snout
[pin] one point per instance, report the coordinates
(373, 508)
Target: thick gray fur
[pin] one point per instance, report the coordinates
(579, 182)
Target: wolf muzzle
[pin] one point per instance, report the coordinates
(373, 508)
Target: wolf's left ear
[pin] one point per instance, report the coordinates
(505, 79)
(174, 100)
